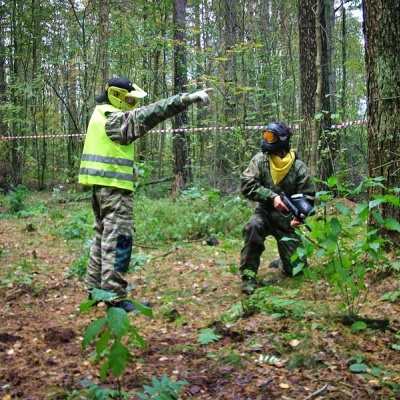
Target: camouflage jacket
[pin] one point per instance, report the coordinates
(124, 127)
(257, 184)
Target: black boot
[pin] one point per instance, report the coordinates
(127, 305)
(249, 285)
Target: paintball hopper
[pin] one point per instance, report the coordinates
(302, 204)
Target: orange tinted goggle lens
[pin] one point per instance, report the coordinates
(270, 137)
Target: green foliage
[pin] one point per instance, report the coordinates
(358, 326)
(110, 330)
(144, 173)
(396, 346)
(372, 372)
(207, 336)
(276, 302)
(79, 267)
(17, 199)
(95, 392)
(21, 273)
(138, 262)
(347, 248)
(195, 214)
(163, 389)
(391, 296)
(76, 227)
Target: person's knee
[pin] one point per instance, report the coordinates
(123, 253)
(253, 229)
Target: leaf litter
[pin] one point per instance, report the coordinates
(243, 356)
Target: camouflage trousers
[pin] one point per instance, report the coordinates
(111, 249)
(262, 223)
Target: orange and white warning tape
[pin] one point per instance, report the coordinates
(348, 123)
(212, 128)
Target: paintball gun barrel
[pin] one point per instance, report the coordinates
(299, 207)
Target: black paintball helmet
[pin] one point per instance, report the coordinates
(276, 137)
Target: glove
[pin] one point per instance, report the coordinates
(201, 96)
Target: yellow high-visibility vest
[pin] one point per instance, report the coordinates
(105, 162)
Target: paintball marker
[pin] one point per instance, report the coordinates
(299, 207)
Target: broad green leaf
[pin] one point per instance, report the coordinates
(362, 209)
(104, 370)
(379, 218)
(320, 253)
(150, 390)
(157, 384)
(117, 358)
(104, 295)
(165, 396)
(142, 395)
(392, 224)
(336, 226)
(395, 200)
(319, 116)
(329, 241)
(117, 321)
(297, 269)
(164, 380)
(376, 202)
(139, 339)
(356, 222)
(147, 311)
(86, 305)
(102, 343)
(343, 209)
(332, 181)
(358, 326)
(375, 371)
(93, 330)
(358, 367)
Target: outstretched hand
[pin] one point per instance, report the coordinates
(201, 96)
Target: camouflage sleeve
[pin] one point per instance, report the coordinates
(304, 183)
(251, 186)
(126, 126)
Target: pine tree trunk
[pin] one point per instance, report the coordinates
(382, 52)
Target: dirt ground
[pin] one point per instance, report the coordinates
(41, 330)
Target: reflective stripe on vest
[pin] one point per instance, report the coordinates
(105, 162)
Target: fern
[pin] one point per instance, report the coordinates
(208, 336)
(391, 296)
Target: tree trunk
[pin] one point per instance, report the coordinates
(308, 74)
(181, 141)
(318, 91)
(103, 39)
(382, 55)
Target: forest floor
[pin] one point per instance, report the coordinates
(191, 287)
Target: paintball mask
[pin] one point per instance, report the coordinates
(275, 137)
(122, 94)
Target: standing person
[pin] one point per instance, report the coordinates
(107, 165)
(275, 169)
